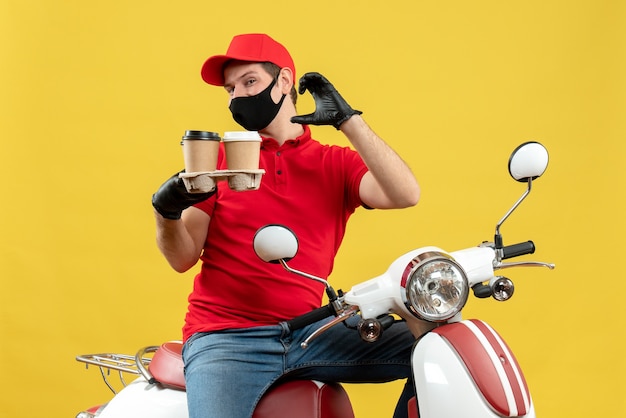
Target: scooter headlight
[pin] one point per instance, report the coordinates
(436, 287)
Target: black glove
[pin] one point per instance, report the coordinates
(172, 198)
(330, 107)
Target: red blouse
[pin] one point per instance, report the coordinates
(310, 188)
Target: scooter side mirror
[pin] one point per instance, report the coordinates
(273, 243)
(528, 161)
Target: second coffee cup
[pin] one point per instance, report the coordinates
(243, 149)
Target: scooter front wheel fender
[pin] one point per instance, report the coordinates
(466, 369)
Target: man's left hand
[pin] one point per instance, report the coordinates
(330, 107)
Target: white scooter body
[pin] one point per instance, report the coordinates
(460, 369)
(142, 399)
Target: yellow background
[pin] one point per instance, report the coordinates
(95, 95)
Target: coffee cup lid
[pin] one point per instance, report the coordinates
(242, 136)
(202, 135)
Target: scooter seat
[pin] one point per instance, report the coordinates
(305, 399)
(301, 398)
(167, 365)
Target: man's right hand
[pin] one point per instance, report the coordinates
(172, 198)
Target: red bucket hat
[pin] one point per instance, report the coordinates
(253, 47)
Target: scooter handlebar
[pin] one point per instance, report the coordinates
(516, 250)
(311, 317)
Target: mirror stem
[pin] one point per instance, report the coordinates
(498, 237)
(330, 292)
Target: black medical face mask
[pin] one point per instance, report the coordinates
(256, 112)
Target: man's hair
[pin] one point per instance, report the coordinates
(274, 70)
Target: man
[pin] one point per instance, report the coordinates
(236, 341)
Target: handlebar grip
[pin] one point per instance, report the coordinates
(515, 250)
(311, 317)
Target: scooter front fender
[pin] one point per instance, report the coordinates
(465, 369)
(143, 400)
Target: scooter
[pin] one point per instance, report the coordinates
(460, 367)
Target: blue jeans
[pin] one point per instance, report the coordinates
(227, 372)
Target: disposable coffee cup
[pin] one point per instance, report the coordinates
(243, 150)
(200, 149)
